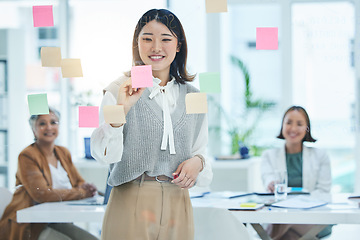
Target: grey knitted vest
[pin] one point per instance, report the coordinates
(143, 134)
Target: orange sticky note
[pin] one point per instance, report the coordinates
(196, 103)
(88, 116)
(50, 57)
(141, 76)
(216, 6)
(114, 114)
(71, 67)
(267, 38)
(43, 16)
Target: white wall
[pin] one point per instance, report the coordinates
(18, 111)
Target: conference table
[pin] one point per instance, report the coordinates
(339, 211)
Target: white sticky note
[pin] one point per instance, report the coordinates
(196, 103)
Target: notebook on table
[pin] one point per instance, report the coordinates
(96, 200)
(300, 202)
(290, 191)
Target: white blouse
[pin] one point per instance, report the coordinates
(59, 177)
(107, 138)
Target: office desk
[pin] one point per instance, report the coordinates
(339, 212)
(61, 212)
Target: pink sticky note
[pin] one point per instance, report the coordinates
(43, 16)
(88, 116)
(141, 76)
(267, 38)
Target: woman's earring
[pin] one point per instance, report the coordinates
(178, 47)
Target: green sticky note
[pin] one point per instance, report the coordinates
(38, 104)
(210, 82)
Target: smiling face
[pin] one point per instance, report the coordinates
(157, 47)
(294, 127)
(46, 128)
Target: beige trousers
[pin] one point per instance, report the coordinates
(148, 210)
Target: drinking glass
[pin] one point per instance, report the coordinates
(280, 183)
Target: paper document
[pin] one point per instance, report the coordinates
(301, 202)
(96, 200)
(228, 194)
(197, 194)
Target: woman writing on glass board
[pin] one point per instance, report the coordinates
(159, 153)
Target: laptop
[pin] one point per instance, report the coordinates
(96, 200)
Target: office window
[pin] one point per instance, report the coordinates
(324, 80)
(101, 36)
(264, 67)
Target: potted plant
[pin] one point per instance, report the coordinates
(241, 128)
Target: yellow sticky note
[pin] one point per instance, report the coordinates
(248, 205)
(196, 103)
(71, 67)
(50, 57)
(216, 6)
(114, 114)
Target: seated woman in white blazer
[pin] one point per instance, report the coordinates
(306, 167)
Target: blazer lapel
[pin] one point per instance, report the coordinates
(306, 174)
(44, 165)
(281, 159)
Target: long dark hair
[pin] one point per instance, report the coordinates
(308, 137)
(178, 66)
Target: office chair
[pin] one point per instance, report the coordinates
(107, 190)
(216, 223)
(5, 199)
